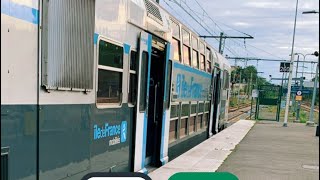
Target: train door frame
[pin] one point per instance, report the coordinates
(140, 160)
(156, 104)
(215, 100)
(144, 46)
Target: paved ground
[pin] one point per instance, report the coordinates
(270, 151)
(207, 156)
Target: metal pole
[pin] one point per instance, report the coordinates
(239, 88)
(290, 70)
(304, 58)
(311, 122)
(299, 102)
(220, 43)
(250, 85)
(297, 68)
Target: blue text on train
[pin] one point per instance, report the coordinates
(188, 89)
(117, 132)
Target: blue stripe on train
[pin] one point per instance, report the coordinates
(192, 70)
(20, 11)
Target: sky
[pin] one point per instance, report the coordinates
(270, 22)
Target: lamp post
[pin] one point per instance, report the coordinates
(311, 122)
(290, 70)
(316, 53)
(304, 58)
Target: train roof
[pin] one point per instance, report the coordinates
(150, 16)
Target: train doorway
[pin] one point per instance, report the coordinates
(215, 99)
(155, 109)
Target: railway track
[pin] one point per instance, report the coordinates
(305, 107)
(238, 108)
(234, 116)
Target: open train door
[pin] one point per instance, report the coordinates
(145, 42)
(214, 101)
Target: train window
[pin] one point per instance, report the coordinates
(109, 73)
(175, 29)
(173, 130)
(133, 60)
(133, 78)
(185, 110)
(193, 108)
(202, 62)
(195, 59)
(199, 120)
(194, 42)
(109, 86)
(209, 66)
(186, 55)
(192, 124)
(226, 80)
(201, 48)
(110, 55)
(205, 119)
(175, 109)
(183, 127)
(185, 37)
(176, 49)
(143, 80)
(207, 107)
(208, 53)
(201, 105)
(215, 58)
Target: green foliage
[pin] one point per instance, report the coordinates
(303, 117)
(246, 75)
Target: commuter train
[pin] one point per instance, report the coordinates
(103, 86)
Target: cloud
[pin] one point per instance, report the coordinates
(263, 4)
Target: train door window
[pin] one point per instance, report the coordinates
(168, 84)
(208, 60)
(176, 49)
(143, 81)
(186, 47)
(110, 70)
(133, 78)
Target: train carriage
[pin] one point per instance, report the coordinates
(104, 85)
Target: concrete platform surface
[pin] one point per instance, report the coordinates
(207, 156)
(270, 151)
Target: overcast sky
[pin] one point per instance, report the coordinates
(270, 22)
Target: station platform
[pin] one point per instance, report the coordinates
(271, 151)
(208, 155)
